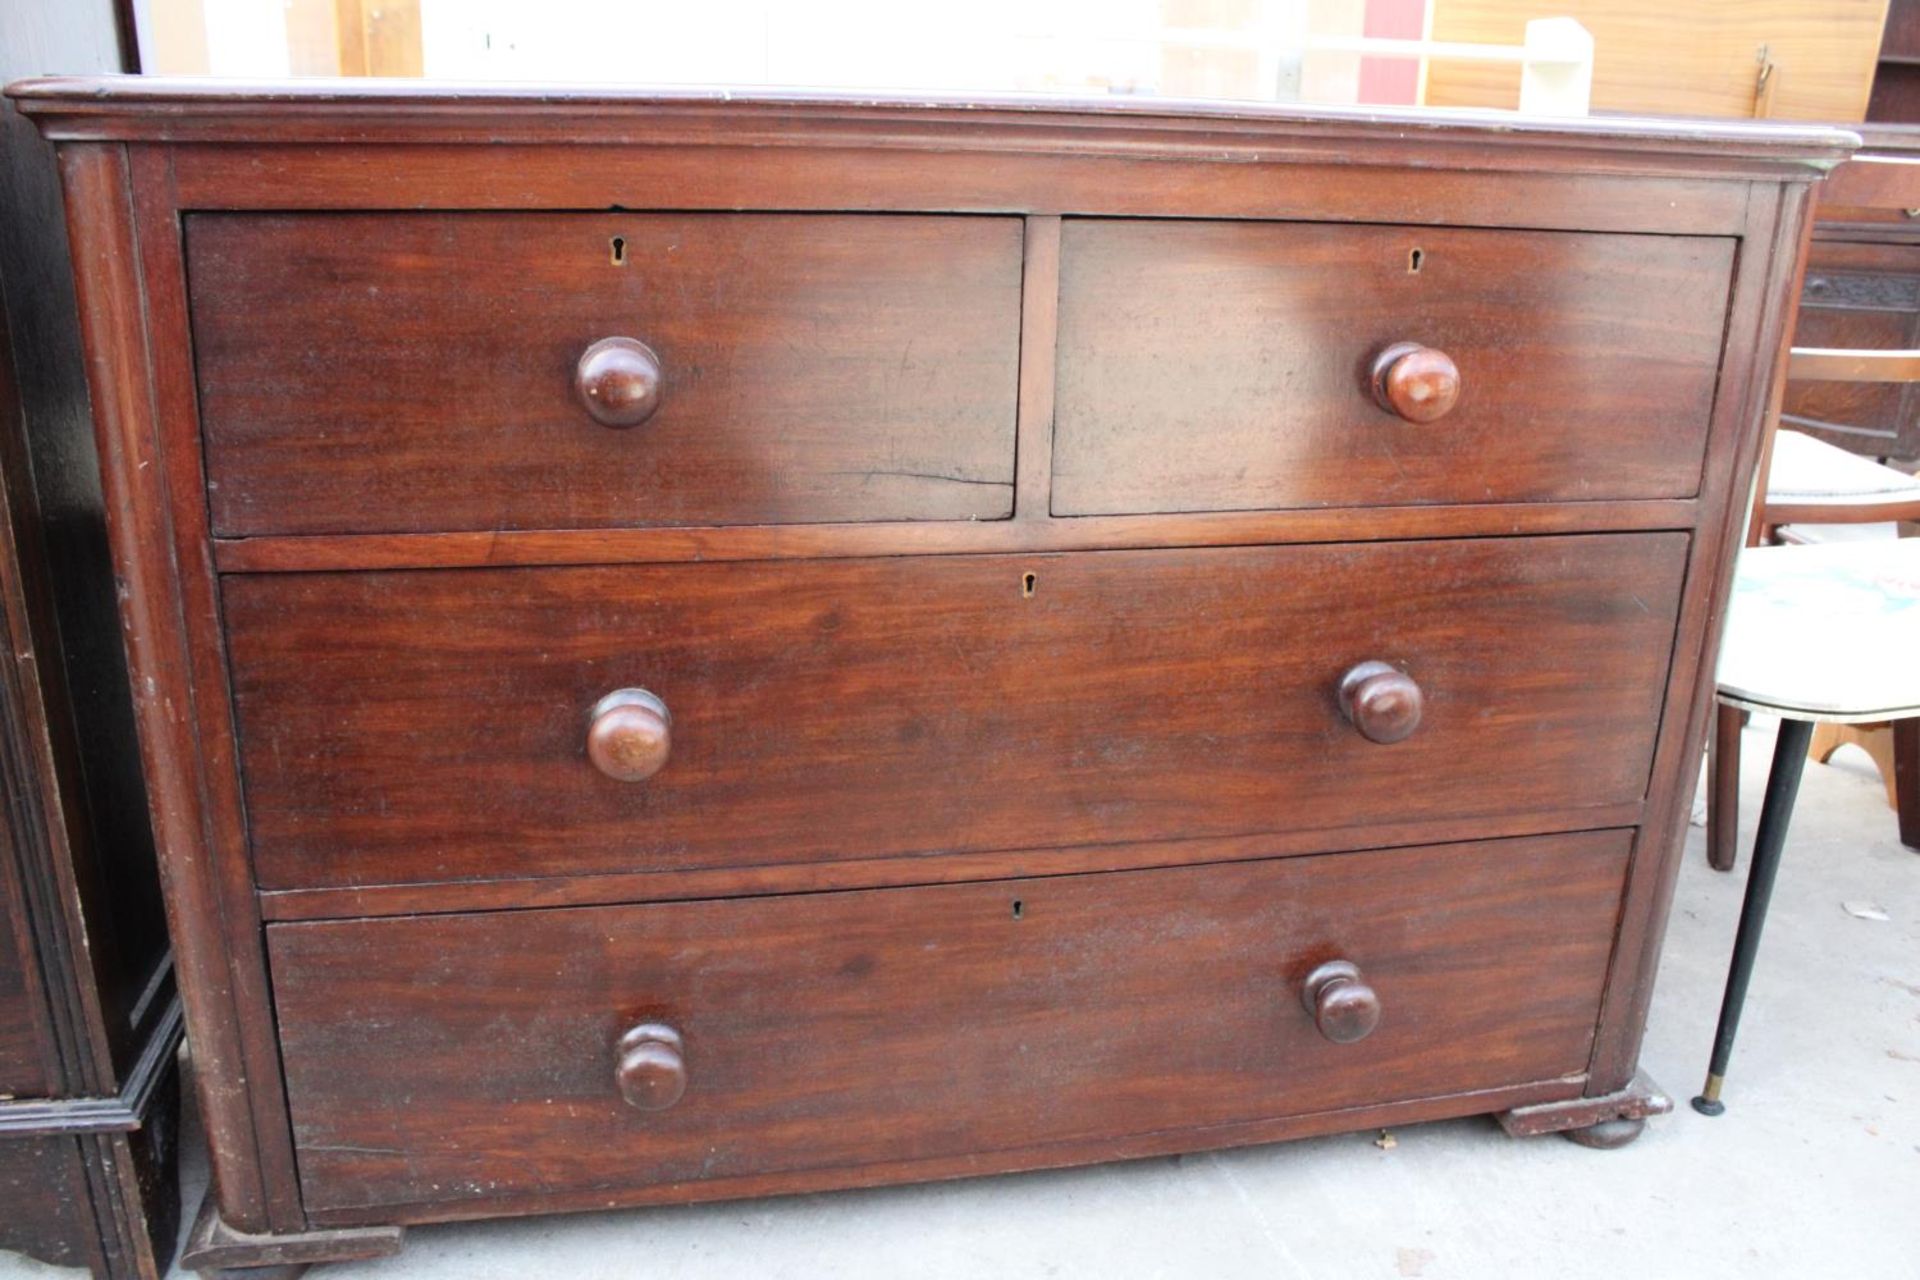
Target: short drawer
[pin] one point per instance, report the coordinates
(425, 726)
(440, 1059)
(416, 372)
(1209, 366)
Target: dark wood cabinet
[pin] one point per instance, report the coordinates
(914, 638)
(89, 1019)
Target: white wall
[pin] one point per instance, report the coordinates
(978, 45)
(246, 38)
(1084, 46)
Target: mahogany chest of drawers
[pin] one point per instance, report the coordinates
(697, 646)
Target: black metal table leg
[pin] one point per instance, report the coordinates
(1783, 783)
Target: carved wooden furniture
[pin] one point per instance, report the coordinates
(1862, 293)
(1821, 634)
(89, 1022)
(700, 646)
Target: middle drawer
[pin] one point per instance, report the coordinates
(425, 726)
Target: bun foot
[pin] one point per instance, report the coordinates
(1605, 1120)
(1607, 1135)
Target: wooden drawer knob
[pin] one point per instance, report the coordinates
(1381, 701)
(1415, 382)
(1343, 1006)
(652, 1067)
(629, 734)
(618, 380)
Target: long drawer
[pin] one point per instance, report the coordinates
(440, 1059)
(425, 726)
(409, 372)
(1212, 366)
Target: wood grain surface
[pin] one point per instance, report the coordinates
(1030, 531)
(23, 1058)
(305, 112)
(1210, 366)
(1695, 59)
(395, 372)
(49, 1213)
(450, 1057)
(432, 726)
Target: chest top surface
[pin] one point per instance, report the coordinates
(150, 109)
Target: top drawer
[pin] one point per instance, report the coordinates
(416, 372)
(1208, 366)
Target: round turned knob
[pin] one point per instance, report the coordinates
(1343, 1006)
(629, 733)
(1381, 701)
(1415, 382)
(618, 380)
(652, 1067)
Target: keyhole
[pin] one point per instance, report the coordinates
(1019, 908)
(619, 251)
(1414, 260)
(1027, 582)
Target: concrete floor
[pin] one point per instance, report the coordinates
(1813, 1171)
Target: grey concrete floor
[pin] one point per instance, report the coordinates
(1813, 1171)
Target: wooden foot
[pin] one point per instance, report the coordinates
(1608, 1135)
(1607, 1121)
(218, 1252)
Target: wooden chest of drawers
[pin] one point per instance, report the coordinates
(696, 646)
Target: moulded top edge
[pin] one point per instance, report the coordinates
(135, 108)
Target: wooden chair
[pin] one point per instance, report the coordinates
(1805, 481)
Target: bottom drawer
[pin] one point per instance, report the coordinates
(436, 1059)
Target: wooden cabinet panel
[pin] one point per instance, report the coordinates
(43, 1185)
(1695, 59)
(431, 726)
(417, 372)
(1210, 366)
(23, 1071)
(474, 1056)
(89, 1022)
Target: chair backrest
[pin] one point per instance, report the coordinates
(1843, 364)
(1876, 185)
